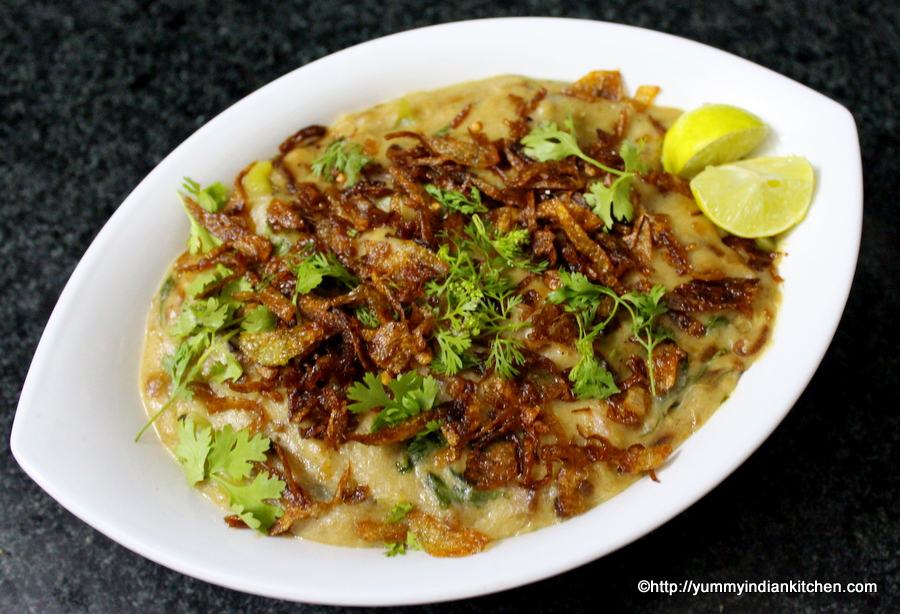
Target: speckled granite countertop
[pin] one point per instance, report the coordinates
(93, 98)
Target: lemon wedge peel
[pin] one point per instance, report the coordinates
(710, 135)
(759, 197)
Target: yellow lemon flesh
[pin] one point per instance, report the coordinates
(759, 197)
(710, 135)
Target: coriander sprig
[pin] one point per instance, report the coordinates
(644, 308)
(412, 394)
(547, 142)
(212, 198)
(453, 200)
(582, 298)
(200, 328)
(311, 269)
(614, 202)
(341, 157)
(203, 329)
(590, 378)
(411, 542)
(227, 458)
(477, 299)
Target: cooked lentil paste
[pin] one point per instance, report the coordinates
(542, 344)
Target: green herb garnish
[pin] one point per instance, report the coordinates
(547, 142)
(164, 290)
(341, 157)
(227, 458)
(614, 202)
(644, 308)
(460, 492)
(582, 298)
(212, 197)
(311, 270)
(423, 445)
(200, 328)
(208, 279)
(399, 512)
(200, 240)
(478, 298)
(366, 316)
(715, 322)
(259, 320)
(411, 543)
(412, 394)
(457, 201)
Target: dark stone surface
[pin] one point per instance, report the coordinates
(94, 95)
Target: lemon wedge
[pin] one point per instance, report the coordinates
(710, 135)
(759, 197)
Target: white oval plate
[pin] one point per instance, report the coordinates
(80, 409)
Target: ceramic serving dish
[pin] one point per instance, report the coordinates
(80, 408)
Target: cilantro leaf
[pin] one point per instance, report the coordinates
(202, 330)
(646, 306)
(612, 203)
(505, 354)
(366, 316)
(508, 246)
(395, 548)
(715, 322)
(343, 157)
(578, 292)
(226, 368)
(368, 394)
(644, 309)
(259, 320)
(591, 380)
(200, 240)
(399, 512)
(226, 457)
(457, 201)
(477, 299)
(164, 290)
(452, 347)
(230, 288)
(198, 326)
(631, 155)
(178, 362)
(412, 394)
(425, 442)
(207, 279)
(200, 316)
(312, 270)
(192, 449)
(582, 298)
(233, 452)
(546, 142)
(248, 500)
(212, 198)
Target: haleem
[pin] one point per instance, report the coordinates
(453, 318)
